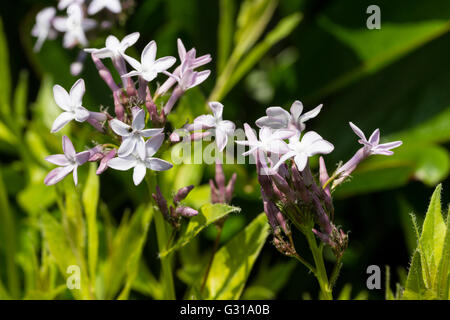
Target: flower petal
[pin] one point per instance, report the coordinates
(122, 163)
(77, 92)
(58, 159)
(82, 157)
(153, 144)
(221, 138)
(139, 173)
(57, 174)
(227, 126)
(149, 54)
(62, 98)
(311, 114)
(320, 147)
(296, 109)
(114, 6)
(151, 132)
(389, 145)
(375, 137)
(204, 121)
(133, 62)
(138, 120)
(357, 131)
(68, 148)
(122, 129)
(300, 161)
(164, 63)
(157, 164)
(112, 43)
(63, 119)
(129, 40)
(217, 109)
(181, 49)
(128, 145)
(81, 114)
(75, 174)
(140, 147)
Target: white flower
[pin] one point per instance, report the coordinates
(114, 48)
(149, 68)
(269, 141)
(71, 104)
(97, 5)
(74, 26)
(68, 162)
(214, 123)
(140, 164)
(310, 144)
(184, 73)
(133, 136)
(372, 145)
(62, 4)
(43, 27)
(278, 118)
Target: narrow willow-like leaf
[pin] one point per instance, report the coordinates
(127, 247)
(225, 32)
(5, 77)
(281, 31)
(389, 295)
(415, 286)
(432, 239)
(233, 262)
(20, 99)
(8, 237)
(443, 273)
(346, 292)
(65, 254)
(90, 202)
(209, 213)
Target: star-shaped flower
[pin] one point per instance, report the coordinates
(43, 27)
(310, 144)
(71, 104)
(133, 136)
(185, 73)
(278, 118)
(149, 68)
(269, 141)
(372, 145)
(97, 5)
(67, 162)
(214, 123)
(62, 4)
(140, 164)
(114, 48)
(74, 26)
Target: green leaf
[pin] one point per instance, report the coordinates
(90, 202)
(5, 77)
(415, 288)
(36, 197)
(128, 242)
(8, 237)
(233, 262)
(225, 32)
(208, 213)
(431, 240)
(281, 31)
(64, 253)
(20, 99)
(443, 273)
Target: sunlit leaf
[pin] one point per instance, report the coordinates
(208, 213)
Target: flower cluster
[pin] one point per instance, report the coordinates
(82, 19)
(290, 192)
(131, 143)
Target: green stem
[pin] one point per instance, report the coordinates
(162, 237)
(321, 272)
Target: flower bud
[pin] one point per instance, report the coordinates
(186, 212)
(182, 194)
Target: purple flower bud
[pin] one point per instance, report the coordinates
(104, 162)
(174, 137)
(186, 211)
(182, 194)
(323, 176)
(161, 203)
(229, 189)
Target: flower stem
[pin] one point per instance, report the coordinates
(162, 237)
(321, 272)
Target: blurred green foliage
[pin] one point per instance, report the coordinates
(264, 53)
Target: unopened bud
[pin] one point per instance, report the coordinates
(182, 194)
(186, 212)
